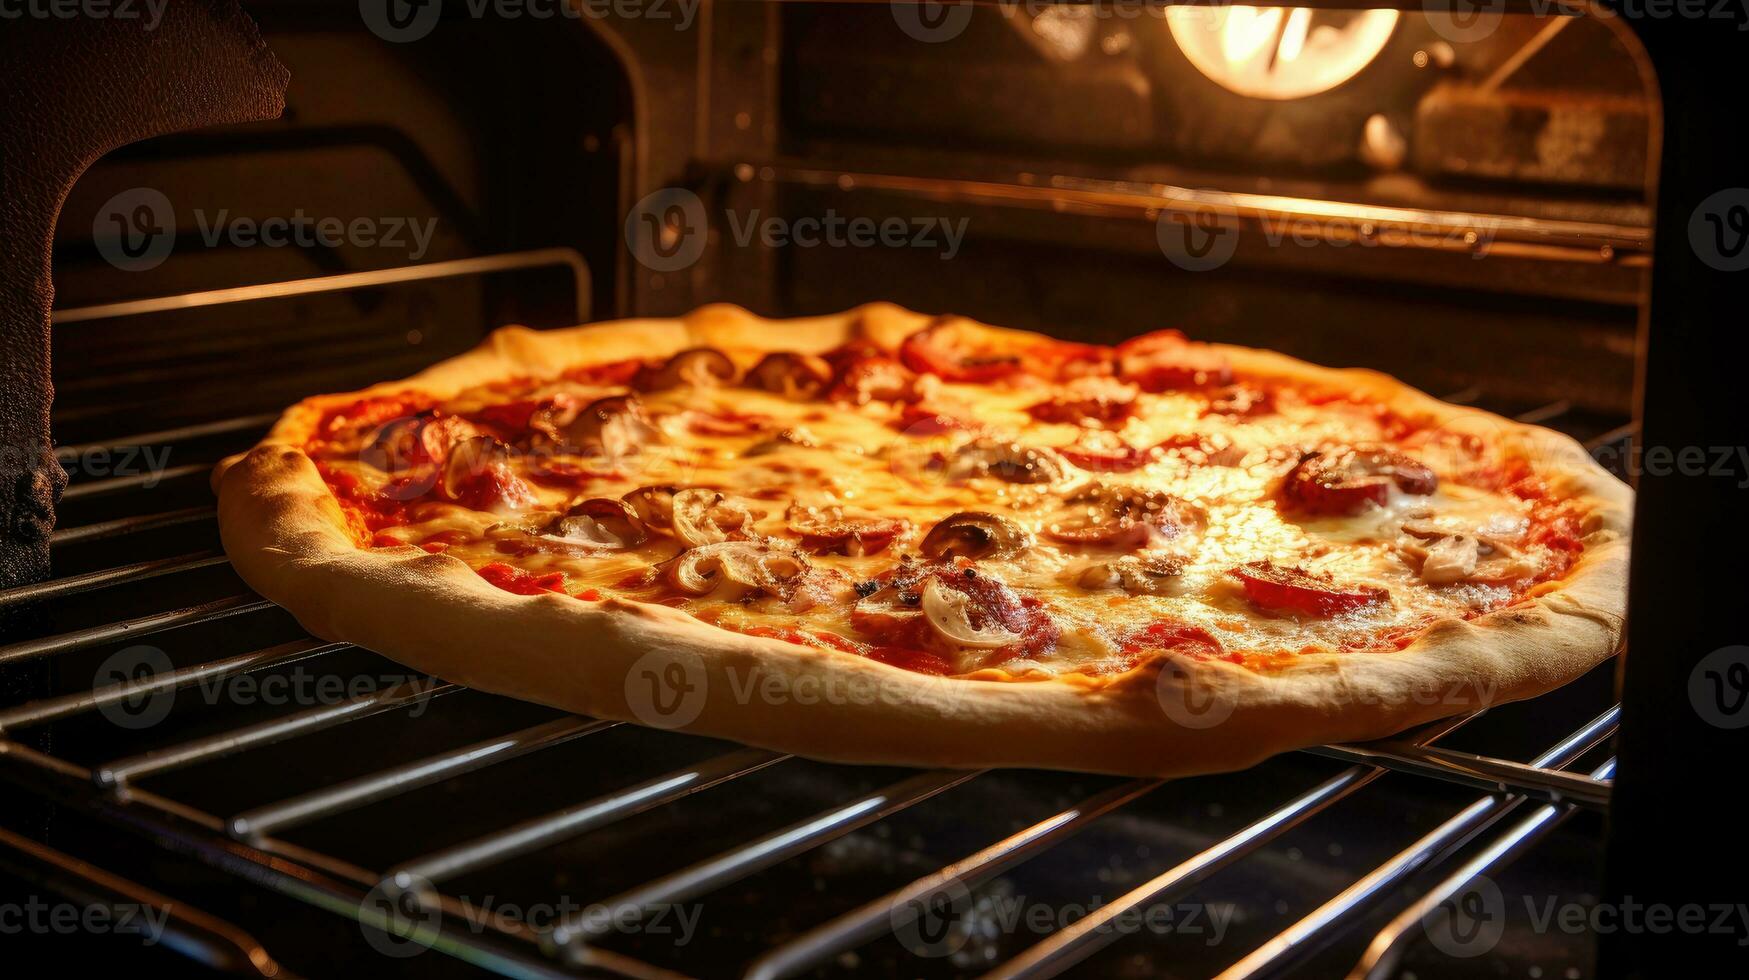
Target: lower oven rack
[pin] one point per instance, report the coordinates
(1541, 792)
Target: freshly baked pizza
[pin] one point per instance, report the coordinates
(893, 538)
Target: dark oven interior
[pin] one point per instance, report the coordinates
(1467, 212)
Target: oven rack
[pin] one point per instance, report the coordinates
(243, 843)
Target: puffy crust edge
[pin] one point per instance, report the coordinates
(286, 537)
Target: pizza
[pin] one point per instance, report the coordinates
(886, 537)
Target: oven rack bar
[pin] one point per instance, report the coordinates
(1386, 948)
(68, 705)
(103, 578)
(118, 484)
(416, 877)
(1280, 954)
(754, 856)
(117, 774)
(1089, 934)
(127, 629)
(450, 269)
(898, 907)
(103, 530)
(299, 810)
(1476, 771)
(186, 433)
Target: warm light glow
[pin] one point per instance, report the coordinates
(1280, 52)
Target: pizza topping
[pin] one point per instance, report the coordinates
(1126, 518)
(974, 534)
(1093, 399)
(1447, 552)
(949, 613)
(604, 523)
(1153, 574)
(700, 517)
(1240, 401)
(1172, 636)
(829, 531)
(956, 350)
(1009, 462)
(798, 377)
(1296, 590)
(1346, 481)
(738, 569)
(414, 440)
(1105, 452)
(700, 367)
(615, 426)
(1165, 361)
(653, 505)
(873, 377)
(477, 474)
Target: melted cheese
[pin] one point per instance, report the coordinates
(864, 464)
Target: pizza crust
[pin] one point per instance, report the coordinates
(651, 664)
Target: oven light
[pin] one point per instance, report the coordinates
(1279, 52)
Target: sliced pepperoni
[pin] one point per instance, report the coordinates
(912, 659)
(1346, 480)
(956, 350)
(512, 579)
(849, 535)
(1296, 590)
(1173, 636)
(865, 378)
(1165, 361)
(1103, 452)
(1099, 400)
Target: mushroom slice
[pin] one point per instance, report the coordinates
(1446, 552)
(948, 613)
(614, 426)
(1010, 462)
(700, 367)
(799, 377)
(604, 523)
(974, 534)
(737, 568)
(1137, 574)
(701, 517)
(653, 505)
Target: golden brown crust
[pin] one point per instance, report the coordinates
(655, 665)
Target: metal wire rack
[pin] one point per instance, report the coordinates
(407, 897)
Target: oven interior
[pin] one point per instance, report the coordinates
(1469, 214)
